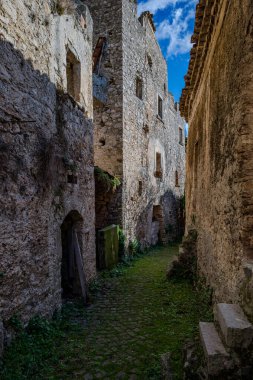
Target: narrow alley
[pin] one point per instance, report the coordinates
(135, 317)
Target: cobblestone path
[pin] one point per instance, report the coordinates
(137, 318)
(133, 319)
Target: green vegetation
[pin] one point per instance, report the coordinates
(136, 316)
(109, 181)
(62, 7)
(134, 248)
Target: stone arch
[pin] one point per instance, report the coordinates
(73, 281)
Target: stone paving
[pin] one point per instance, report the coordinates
(137, 317)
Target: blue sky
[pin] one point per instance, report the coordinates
(174, 21)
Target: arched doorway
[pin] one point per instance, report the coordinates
(73, 280)
(158, 228)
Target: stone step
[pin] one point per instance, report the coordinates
(216, 355)
(234, 325)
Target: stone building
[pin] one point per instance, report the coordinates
(139, 134)
(218, 104)
(46, 155)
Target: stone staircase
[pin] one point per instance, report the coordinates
(227, 344)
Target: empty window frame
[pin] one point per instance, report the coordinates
(72, 179)
(139, 88)
(98, 54)
(73, 73)
(140, 188)
(181, 136)
(160, 107)
(150, 62)
(158, 165)
(177, 179)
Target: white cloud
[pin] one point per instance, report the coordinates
(175, 28)
(176, 32)
(154, 5)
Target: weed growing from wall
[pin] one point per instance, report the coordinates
(110, 182)
(64, 7)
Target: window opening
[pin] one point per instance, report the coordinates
(158, 165)
(98, 54)
(160, 107)
(180, 136)
(73, 71)
(139, 86)
(102, 141)
(72, 179)
(140, 188)
(150, 62)
(177, 179)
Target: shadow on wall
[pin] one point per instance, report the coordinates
(174, 215)
(162, 223)
(46, 167)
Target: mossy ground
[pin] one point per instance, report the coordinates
(136, 316)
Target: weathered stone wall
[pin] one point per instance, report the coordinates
(107, 19)
(43, 36)
(128, 133)
(219, 188)
(145, 134)
(46, 155)
(108, 98)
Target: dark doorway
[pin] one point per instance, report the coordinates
(158, 229)
(72, 273)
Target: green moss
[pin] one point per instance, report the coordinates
(109, 181)
(137, 315)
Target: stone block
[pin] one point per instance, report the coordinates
(216, 355)
(108, 247)
(166, 366)
(235, 327)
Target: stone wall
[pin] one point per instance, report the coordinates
(44, 36)
(128, 133)
(145, 134)
(108, 97)
(217, 102)
(107, 19)
(46, 155)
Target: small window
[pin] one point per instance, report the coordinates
(73, 72)
(160, 107)
(139, 87)
(98, 54)
(176, 179)
(158, 165)
(140, 189)
(102, 141)
(181, 136)
(72, 179)
(150, 62)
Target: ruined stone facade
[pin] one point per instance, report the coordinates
(218, 104)
(132, 141)
(46, 153)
